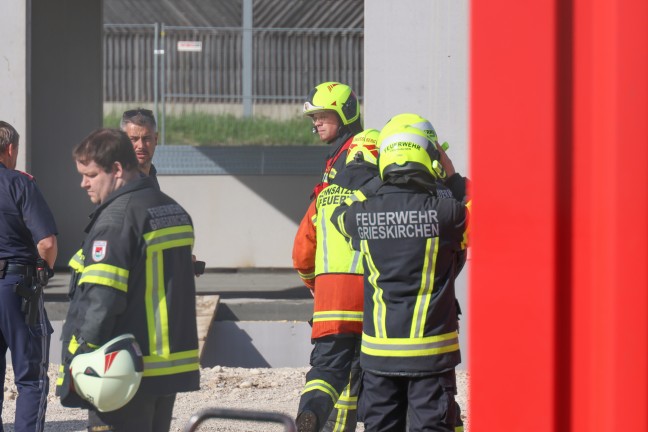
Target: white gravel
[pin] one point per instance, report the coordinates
(264, 389)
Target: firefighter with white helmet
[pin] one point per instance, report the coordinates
(409, 237)
(133, 275)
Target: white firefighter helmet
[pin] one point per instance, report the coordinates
(109, 377)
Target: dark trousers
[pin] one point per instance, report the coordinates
(386, 402)
(29, 347)
(332, 382)
(344, 416)
(144, 413)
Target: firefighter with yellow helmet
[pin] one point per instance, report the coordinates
(446, 175)
(409, 237)
(334, 273)
(335, 112)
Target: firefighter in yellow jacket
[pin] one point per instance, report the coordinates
(133, 274)
(334, 272)
(410, 237)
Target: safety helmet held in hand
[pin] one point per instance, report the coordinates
(364, 147)
(415, 120)
(407, 150)
(333, 96)
(109, 377)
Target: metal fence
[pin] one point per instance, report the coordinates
(158, 63)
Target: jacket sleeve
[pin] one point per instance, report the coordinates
(104, 305)
(459, 186)
(304, 248)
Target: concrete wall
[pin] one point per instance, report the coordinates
(50, 90)
(242, 221)
(66, 96)
(417, 60)
(14, 70)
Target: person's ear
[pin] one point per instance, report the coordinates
(118, 169)
(12, 149)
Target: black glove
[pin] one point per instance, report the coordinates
(65, 391)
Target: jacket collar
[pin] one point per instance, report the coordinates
(132, 186)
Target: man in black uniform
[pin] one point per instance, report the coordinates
(140, 126)
(410, 238)
(27, 234)
(133, 274)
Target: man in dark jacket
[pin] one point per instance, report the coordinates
(133, 274)
(410, 236)
(141, 128)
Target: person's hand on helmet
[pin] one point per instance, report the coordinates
(445, 161)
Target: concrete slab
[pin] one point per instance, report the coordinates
(262, 318)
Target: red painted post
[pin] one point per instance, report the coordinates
(610, 279)
(513, 152)
(559, 269)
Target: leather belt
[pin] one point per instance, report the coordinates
(20, 269)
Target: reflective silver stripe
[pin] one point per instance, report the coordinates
(404, 348)
(355, 262)
(337, 315)
(425, 292)
(156, 257)
(323, 223)
(151, 363)
(323, 386)
(169, 237)
(104, 274)
(379, 308)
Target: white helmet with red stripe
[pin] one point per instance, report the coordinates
(109, 377)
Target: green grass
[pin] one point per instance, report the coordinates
(201, 129)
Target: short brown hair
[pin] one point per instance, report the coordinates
(105, 147)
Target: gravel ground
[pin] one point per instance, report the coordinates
(265, 389)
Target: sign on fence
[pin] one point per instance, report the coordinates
(190, 46)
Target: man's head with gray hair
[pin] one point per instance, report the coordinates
(141, 128)
(8, 135)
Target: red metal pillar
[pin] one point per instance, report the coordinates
(559, 279)
(512, 290)
(610, 217)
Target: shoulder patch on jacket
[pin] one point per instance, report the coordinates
(99, 250)
(29, 176)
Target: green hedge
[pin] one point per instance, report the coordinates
(227, 130)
